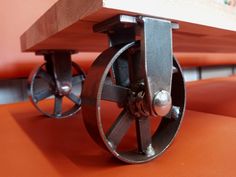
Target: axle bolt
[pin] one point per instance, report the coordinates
(162, 103)
(65, 89)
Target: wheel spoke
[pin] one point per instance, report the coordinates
(41, 95)
(144, 137)
(58, 105)
(119, 128)
(76, 80)
(74, 98)
(115, 93)
(45, 76)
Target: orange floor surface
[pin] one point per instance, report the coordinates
(217, 96)
(32, 145)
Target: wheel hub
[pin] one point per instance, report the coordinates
(136, 103)
(65, 89)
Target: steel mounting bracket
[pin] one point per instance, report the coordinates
(156, 55)
(58, 65)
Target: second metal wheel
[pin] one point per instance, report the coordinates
(114, 111)
(42, 89)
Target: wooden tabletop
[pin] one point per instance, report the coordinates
(205, 25)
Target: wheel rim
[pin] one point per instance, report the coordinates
(42, 87)
(111, 138)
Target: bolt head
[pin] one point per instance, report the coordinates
(162, 103)
(150, 151)
(175, 112)
(65, 89)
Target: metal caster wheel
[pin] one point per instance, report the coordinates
(125, 128)
(42, 89)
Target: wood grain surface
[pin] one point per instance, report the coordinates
(205, 26)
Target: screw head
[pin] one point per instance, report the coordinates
(162, 103)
